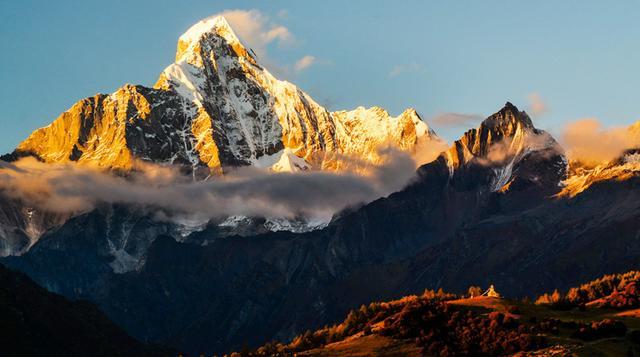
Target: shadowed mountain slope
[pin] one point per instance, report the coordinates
(39, 323)
(453, 226)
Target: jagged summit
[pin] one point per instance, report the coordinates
(214, 107)
(507, 144)
(209, 35)
(508, 126)
(213, 25)
(506, 119)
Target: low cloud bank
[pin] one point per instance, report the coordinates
(73, 188)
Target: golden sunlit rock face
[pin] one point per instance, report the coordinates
(501, 135)
(92, 131)
(216, 107)
(583, 177)
(111, 131)
(599, 155)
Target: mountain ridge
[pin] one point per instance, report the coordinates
(492, 203)
(214, 107)
(437, 232)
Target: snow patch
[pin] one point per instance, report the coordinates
(502, 176)
(632, 158)
(215, 24)
(187, 81)
(235, 221)
(188, 225)
(276, 224)
(123, 262)
(283, 161)
(296, 226)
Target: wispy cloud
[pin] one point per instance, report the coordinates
(405, 68)
(304, 63)
(258, 30)
(536, 105)
(456, 119)
(586, 140)
(428, 150)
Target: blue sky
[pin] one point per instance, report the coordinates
(581, 58)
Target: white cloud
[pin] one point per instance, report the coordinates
(257, 30)
(304, 63)
(405, 68)
(279, 33)
(536, 105)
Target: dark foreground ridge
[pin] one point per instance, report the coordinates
(36, 322)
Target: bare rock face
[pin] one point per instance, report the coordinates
(505, 133)
(511, 150)
(111, 130)
(22, 226)
(214, 107)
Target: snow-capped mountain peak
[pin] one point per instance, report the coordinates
(215, 107)
(212, 25)
(205, 36)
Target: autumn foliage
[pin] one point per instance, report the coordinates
(445, 329)
(442, 330)
(618, 291)
(600, 329)
(427, 319)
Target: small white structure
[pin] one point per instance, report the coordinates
(491, 292)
